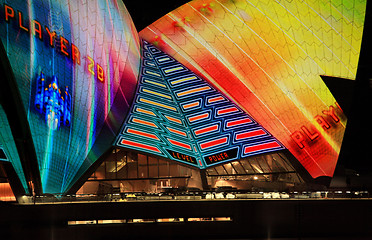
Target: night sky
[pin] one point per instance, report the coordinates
(145, 13)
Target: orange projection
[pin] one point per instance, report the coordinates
(267, 57)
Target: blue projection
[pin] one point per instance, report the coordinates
(53, 103)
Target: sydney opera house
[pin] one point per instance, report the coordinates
(215, 94)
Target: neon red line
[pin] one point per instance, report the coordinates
(227, 110)
(143, 134)
(176, 131)
(254, 133)
(213, 143)
(174, 142)
(198, 117)
(215, 99)
(136, 120)
(238, 122)
(173, 119)
(190, 105)
(139, 145)
(206, 130)
(260, 147)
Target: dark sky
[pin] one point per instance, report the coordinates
(144, 13)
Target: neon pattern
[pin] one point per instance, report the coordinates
(267, 57)
(258, 57)
(187, 119)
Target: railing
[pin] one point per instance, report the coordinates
(193, 196)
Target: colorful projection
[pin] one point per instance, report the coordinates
(76, 65)
(8, 149)
(217, 80)
(180, 116)
(267, 57)
(50, 102)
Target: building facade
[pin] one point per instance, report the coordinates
(213, 94)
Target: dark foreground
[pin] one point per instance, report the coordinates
(222, 219)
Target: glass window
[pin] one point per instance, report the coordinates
(174, 169)
(100, 173)
(184, 171)
(163, 168)
(271, 162)
(238, 167)
(122, 169)
(142, 166)
(153, 167)
(229, 168)
(285, 162)
(132, 167)
(294, 177)
(262, 160)
(247, 166)
(281, 165)
(111, 169)
(211, 171)
(275, 166)
(220, 170)
(255, 165)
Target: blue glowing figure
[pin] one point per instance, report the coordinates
(49, 101)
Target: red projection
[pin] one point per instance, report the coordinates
(267, 57)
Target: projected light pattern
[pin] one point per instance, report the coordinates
(92, 48)
(9, 149)
(267, 56)
(180, 116)
(53, 103)
(259, 62)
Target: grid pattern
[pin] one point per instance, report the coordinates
(103, 34)
(9, 149)
(268, 56)
(180, 116)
